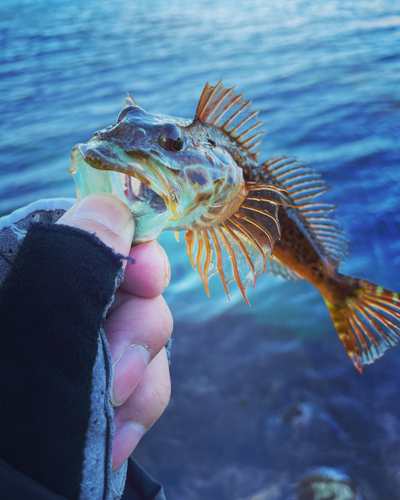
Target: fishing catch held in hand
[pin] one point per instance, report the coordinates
(241, 218)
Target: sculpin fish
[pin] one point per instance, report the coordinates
(241, 218)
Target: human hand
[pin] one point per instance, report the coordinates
(138, 323)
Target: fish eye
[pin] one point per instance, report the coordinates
(170, 138)
(124, 112)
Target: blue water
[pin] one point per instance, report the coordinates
(324, 75)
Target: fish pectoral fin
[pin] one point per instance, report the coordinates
(228, 250)
(222, 108)
(238, 248)
(258, 215)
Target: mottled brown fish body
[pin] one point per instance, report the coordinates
(296, 250)
(312, 245)
(241, 218)
(305, 242)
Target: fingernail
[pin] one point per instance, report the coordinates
(167, 266)
(128, 370)
(126, 439)
(106, 209)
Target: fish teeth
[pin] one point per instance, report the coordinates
(143, 191)
(133, 188)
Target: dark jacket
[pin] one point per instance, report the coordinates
(56, 422)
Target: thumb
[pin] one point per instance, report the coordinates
(105, 215)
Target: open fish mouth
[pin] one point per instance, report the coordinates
(138, 192)
(133, 176)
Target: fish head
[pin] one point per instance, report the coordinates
(169, 171)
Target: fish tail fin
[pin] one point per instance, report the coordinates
(367, 320)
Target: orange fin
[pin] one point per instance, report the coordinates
(368, 322)
(303, 184)
(227, 250)
(238, 248)
(258, 214)
(190, 241)
(129, 101)
(222, 108)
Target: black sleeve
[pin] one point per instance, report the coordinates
(16, 486)
(52, 304)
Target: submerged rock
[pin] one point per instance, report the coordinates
(253, 419)
(326, 483)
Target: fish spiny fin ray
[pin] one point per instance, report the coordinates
(303, 184)
(368, 322)
(228, 250)
(129, 101)
(238, 248)
(207, 260)
(222, 108)
(275, 267)
(189, 238)
(220, 261)
(258, 214)
(234, 261)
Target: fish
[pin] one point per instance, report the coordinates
(241, 218)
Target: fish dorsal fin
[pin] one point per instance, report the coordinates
(222, 108)
(129, 101)
(237, 249)
(303, 184)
